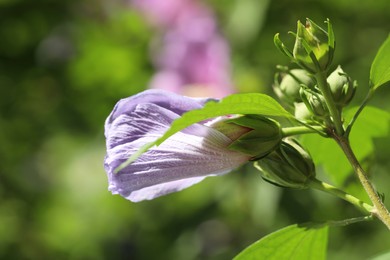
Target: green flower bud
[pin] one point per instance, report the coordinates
(288, 166)
(313, 47)
(264, 137)
(314, 102)
(341, 86)
(288, 88)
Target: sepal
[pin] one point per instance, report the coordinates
(264, 137)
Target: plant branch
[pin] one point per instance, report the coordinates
(322, 186)
(380, 211)
(315, 128)
(297, 130)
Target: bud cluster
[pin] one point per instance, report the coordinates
(299, 90)
(316, 97)
(313, 52)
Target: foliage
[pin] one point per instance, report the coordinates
(290, 165)
(292, 242)
(380, 70)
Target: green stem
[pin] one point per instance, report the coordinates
(380, 211)
(334, 112)
(322, 186)
(323, 131)
(297, 130)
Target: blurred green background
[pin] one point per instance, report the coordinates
(63, 66)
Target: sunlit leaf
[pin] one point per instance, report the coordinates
(384, 256)
(308, 241)
(380, 68)
(259, 104)
(256, 103)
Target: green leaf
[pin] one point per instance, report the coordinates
(384, 256)
(255, 103)
(307, 241)
(380, 68)
(372, 123)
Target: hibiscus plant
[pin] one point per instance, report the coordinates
(160, 142)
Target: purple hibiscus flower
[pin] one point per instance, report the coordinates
(184, 159)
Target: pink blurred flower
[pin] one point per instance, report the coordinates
(192, 58)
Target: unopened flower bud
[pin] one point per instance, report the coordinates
(341, 86)
(288, 88)
(264, 136)
(288, 166)
(314, 102)
(313, 48)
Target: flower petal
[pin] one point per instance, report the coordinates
(176, 103)
(158, 190)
